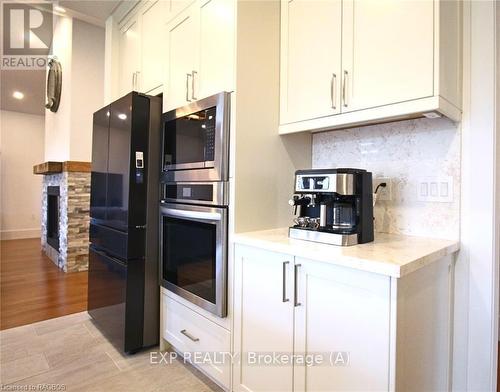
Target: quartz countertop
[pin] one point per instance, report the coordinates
(390, 254)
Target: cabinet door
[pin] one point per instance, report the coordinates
(310, 59)
(130, 55)
(387, 52)
(263, 318)
(153, 54)
(216, 70)
(345, 314)
(183, 49)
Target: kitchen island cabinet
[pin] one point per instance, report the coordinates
(375, 316)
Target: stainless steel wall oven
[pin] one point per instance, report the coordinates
(194, 203)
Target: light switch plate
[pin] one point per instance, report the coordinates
(435, 189)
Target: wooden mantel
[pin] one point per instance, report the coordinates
(52, 167)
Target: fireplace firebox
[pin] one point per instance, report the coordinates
(53, 216)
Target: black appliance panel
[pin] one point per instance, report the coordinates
(98, 176)
(198, 192)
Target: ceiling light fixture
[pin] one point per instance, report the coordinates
(18, 95)
(58, 8)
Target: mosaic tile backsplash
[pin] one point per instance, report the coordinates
(403, 151)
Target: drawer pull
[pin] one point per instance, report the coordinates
(189, 336)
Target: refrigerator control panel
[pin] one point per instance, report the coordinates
(139, 160)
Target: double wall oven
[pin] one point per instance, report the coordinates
(194, 202)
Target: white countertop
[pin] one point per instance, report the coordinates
(390, 254)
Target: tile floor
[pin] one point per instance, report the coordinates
(71, 351)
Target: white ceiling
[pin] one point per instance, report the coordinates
(96, 9)
(30, 83)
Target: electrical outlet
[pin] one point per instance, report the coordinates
(435, 189)
(384, 193)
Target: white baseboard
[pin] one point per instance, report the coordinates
(19, 234)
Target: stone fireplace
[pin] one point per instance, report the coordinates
(65, 213)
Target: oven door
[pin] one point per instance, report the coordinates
(194, 254)
(195, 140)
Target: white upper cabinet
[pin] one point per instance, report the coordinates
(387, 52)
(129, 55)
(352, 62)
(216, 47)
(310, 59)
(201, 50)
(346, 313)
(152, 23)
(182, 57)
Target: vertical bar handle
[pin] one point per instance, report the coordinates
(285, 263)
(295, 286)
(344, 88)
(133, 81)
(333, 89)
(194, 73)
(188, 75)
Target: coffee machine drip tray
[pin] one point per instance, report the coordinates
(323, 237)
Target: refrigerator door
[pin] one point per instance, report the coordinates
(117, 193)
(127, 162)
(115, 297)
(98, 178)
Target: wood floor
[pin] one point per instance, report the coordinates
(32, 288)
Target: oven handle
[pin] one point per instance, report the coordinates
(198, 215)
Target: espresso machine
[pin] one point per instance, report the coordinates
(333, 206)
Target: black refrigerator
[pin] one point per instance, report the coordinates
(123, 288)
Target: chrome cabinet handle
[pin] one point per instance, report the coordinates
(189, 336)
(333, 88)
(295, 289)
(137, 80)
(344, 89)
(188, 75)
(194, 73)
(133, 81)
(285, 263)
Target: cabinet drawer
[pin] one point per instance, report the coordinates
(191, 333)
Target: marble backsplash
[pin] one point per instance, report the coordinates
(403, 151)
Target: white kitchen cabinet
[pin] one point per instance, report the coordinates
(344, 312)
(129, 55)
(182, 57)
(263, 318)
(216, 70)
(310, 59)
(387, 52)
(371, 332)
(398, 59)
(200, 52)
(153, 57)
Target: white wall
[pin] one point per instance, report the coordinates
(57, 125)
(22, 146)
(87, 92)
(79, 46)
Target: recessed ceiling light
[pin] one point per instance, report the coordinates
(18, 95)
(59, 9)
(122, 116)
